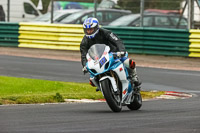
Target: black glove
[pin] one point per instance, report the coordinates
(84, 70)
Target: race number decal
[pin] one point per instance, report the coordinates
(102, 62)
(113, 36)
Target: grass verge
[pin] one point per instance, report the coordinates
(28, 91)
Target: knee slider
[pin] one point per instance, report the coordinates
(132, 64)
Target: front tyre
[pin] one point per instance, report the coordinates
(137, 102)
(113, 100)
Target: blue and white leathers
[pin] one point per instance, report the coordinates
(103, 64)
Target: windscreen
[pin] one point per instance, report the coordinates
(96, 51)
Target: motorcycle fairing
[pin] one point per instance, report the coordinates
(104, 62)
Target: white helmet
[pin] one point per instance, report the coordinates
(91, 23)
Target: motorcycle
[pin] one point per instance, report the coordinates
(111, 77)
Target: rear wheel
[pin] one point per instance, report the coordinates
(137, 102)
(113, 99)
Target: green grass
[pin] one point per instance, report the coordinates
(25, 91)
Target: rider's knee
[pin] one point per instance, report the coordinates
(130, 63)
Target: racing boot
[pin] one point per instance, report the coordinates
(135, 78)
(129, 63)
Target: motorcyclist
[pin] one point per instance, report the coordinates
(96, 35)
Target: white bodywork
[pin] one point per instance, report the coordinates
(122, 76)
(112, 80)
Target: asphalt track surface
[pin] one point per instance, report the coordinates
(166, 116)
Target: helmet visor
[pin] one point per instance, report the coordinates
(90, 31)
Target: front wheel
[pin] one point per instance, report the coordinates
(137, 102)
(113, 100)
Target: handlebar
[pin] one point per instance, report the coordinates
(119, 54)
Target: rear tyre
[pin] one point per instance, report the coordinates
(137, 102)
(113, 100)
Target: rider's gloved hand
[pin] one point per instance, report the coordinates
(121, 54)
(84, 70)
